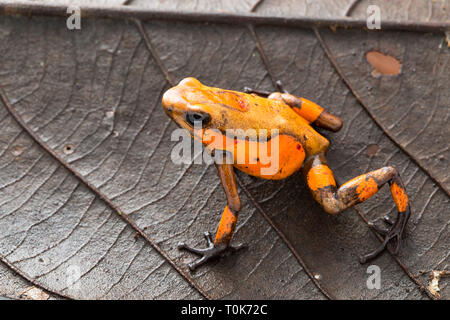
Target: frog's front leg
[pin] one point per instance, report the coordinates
(227, 223)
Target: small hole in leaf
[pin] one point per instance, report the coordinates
(68, 149)
(16, 151)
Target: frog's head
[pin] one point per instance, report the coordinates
(188, 105)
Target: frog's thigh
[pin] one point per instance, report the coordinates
(275, 159)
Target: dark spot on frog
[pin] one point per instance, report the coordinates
(299, 146)
(224, 119)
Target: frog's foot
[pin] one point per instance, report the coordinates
(208, 253)
(388, 220)
(382, 230)
(261, 93)
(264, 93)
(396, 231)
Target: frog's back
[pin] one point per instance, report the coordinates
(268, 114)
(240, 119)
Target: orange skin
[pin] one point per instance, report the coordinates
(208, 113)
(400, 197)
(290, 157)
(227, 223)
(319, 177)
(237, 110)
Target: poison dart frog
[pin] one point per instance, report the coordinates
(209, 114)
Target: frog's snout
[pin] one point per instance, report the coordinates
(170, 100)
(167, 100)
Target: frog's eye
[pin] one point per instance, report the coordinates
(195, 118)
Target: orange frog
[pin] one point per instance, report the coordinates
(269, 135)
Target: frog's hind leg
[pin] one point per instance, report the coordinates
(308, 110)
(227, 223)
(336, 199)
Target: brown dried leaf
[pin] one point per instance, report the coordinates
(93, 98)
